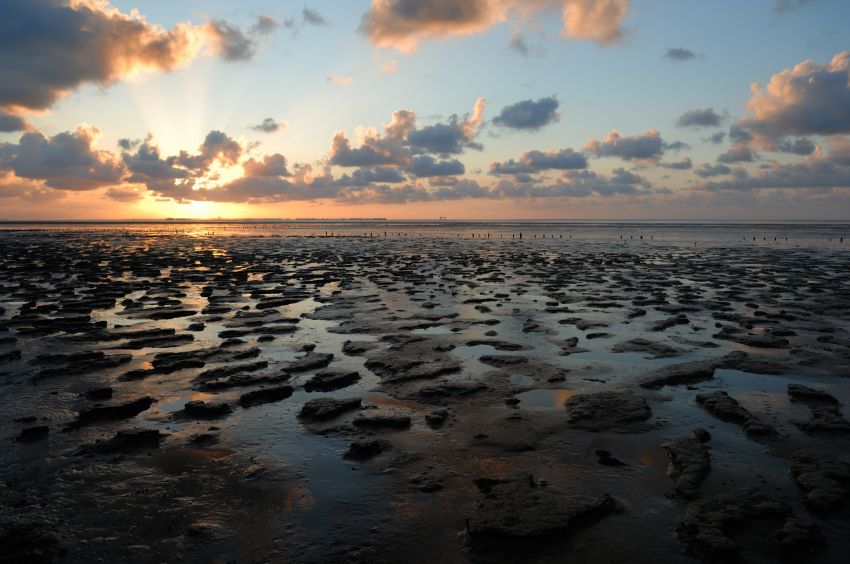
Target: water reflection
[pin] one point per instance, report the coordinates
(542, 399)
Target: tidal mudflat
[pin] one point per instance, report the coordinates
(246, 398)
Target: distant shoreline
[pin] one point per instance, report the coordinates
(691, 222)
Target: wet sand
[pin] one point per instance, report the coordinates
(250, 398)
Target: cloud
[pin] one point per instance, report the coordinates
(595, 20)
(449, 138)
(232, 44)
(716, 138)
(124, 195)
(707, 170)
(816, 173)
(579, 184)
(338, 79)
(529, 114)
(389, 67)
(374, 151)
(426, 166)
(700, 118)
(312, 17)
(26, 190)
(403, 139)
(269, 125)
(265, 24)
(66, 161)
(11, 122)
(676, 146)
(739, 135)
(270, 165)
(147, 166)
(217, 146)
(404, 24)
(532, 162)
(787, 5)
(801, 146)
(679, 54)
(682, 164)
(646, 147)
(808, 99)
(737, 154)
(368, 176)
(49, 48)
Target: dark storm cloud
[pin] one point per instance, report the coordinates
(529, 114)
(700, 118)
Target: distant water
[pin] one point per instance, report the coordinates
(796, 235)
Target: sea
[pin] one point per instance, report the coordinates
(801, 234)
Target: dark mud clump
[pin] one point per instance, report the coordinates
(364, 449)
(826, 413)
(124, 442)
(824, 481)
(521, 509)
(749, 526)
(689, 464)
(199, 409)
(621, 411)
(113, 412)
(653, 349)
(265, 395)
(331, 380)
(727, 408)
(322, 409)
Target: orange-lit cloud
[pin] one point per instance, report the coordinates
(339, 79)
(403, 25)
(808, 99)
(51, 47)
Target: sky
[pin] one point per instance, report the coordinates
(419, 109)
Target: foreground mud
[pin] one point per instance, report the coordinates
(307, 399)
